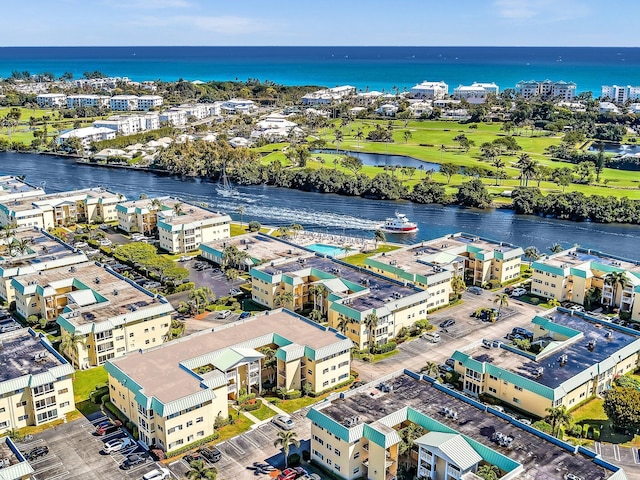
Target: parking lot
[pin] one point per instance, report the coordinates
(210, 277)
(75, 454)
(252, 454)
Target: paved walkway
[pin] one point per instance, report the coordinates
(256, 421)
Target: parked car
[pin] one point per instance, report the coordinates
(450, 362)
(508, 290)
(37, 452)
(105, 242)
(522, 332)
(283, 421)
(117, 445)
(109, 428)
(104, 227)
(518, 292)
(222, 314)
(133, 460)
(475, 290)
(357, 384)
(288, 474)
(235, 292)
(10, 328)
(244, 315)
(184, 258)
(447, 323)
(524, 421)
(192, 457)
(157, 474)
(444, 369)
(80, 244)
(211, 454)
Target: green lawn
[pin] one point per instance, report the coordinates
(592, 412)
(359, 258)
(236, 229)
(263, 413)
(241, 425)
(86, 381)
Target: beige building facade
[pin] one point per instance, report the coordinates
(182, 230)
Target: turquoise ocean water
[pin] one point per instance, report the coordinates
(374, 67)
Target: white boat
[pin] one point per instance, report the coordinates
(399, 224)
(224, 187)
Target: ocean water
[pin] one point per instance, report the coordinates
(377, 68)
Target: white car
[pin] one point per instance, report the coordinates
(184, 258)
(117, 445)
(105, 243)
(518, 292)
(283, 421)
(223, 314)
(157, 474)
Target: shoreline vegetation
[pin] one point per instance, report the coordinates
(529, 155)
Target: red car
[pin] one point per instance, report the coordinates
(109, 428)
(288, 474)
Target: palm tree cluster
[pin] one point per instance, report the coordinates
(616, 280)
(234, 258)
(200, 298)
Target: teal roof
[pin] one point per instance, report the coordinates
(232, 357)
(454, 446)
(548, 324)
(319, 418)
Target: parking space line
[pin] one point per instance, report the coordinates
(28, 446)
(616, 452)
(634, 452)
(247, 438)
(55, 465)
(264, 435)
(235, 447)
(61, 474)
(597, 448)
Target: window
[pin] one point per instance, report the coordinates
(493, 377)
(189, 423)
(199, 420)
(356, 470)
(42, 389)
(326, 370)
(517, 388)
(329, 462)
(200, 433)
(4, 424)
(46, 416)
(337, 467)
(64, 390)
(2, 409)
(23, 417)
(515, 400)
(23, 403)
(317, 454)
(357, 455)
(64, 404)
(493, 390)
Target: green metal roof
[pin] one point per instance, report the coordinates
(452, 445)
(550, 325)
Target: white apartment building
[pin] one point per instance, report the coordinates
(51, 100)
(104, 83)
(326, 96)
(129, 124)
(546, 89)
(476, 93)
(238, 105)
(430, 90)
(620, 94)
(174, 116)
(147, 102)
(182, 230)
(12, 188)
(124, 102)
(88, 135)
(74, 101)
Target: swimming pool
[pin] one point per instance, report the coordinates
(324, 249)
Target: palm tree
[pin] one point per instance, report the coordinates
(371, 322)
(359, 136)
(285, 440)
(69, 345)
(532, 253)
(616, 279)
(315, 315)
(553, 302)
(379, 236)
(488, 472)
(240, 211)
(156, 204)
(284, 299)
(502, 299)
(558, 417)
(200, 471)
(343, 325)
(338, 138)
(283, 231)
(431, 369)
(199, 297)
(556, 248)
(232, 275)
(177, 208)
(523, 164)
(499, 164)
(458, 284)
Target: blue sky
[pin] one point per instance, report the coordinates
(323, 22)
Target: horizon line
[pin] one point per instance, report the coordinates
(319, 46)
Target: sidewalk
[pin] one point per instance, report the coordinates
(257, 422)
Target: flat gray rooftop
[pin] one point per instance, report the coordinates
(18, 351)
(383, 290)
(42, 249)
(6, 452)
(580, 357)
(540, 459)
(260, 247)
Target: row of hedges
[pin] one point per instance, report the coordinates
(193, 445)
(242, 399)
(387, 347)
(121, 416)
(97, 396)
(336, 387)
(251, 406)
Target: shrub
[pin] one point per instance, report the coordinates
(184, 287)
(116, 412)
(242, 399)
(193, 445)
(535, 301)
(97, 396)
(585, 430)
(306, 455)
(293, 394)
(294, 460)
(495, 283)
(250, 407)
(387, 347)
(596, 434)
(575, 431)
(104, 399)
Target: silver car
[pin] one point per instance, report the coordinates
(283, 421)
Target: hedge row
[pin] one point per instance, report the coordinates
(250, 407)
(193, 445)
(335, 387)
(387, 347)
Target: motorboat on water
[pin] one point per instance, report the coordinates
(399, 224)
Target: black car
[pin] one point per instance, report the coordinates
(192, 457)
(37, 452)
(447, 323)
(133, 460)
(212, 454)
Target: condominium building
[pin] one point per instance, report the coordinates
(174, 116)
(55, 209)
(124, 102)
(51, 100)
(15, 465)
(130, 124)
(107, 315)
(147, 102)
(359, 434)
(577, 358)
(341, 292)
(12, 188)
(328, 95)
(98, 101)
(31, 251)
(238, 105)
(433, 264)
(430, 90)
(620, 94)
(476, 93)
(182, 228)
(546, 89)
(36, 383)
(87, 135)
(576, 273)
(141, 215)
(175, 392)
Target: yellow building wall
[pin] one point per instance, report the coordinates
(635, 311)
(550, 285)
(328, 373)
(337, 455)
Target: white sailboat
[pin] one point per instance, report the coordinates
(224, 187)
